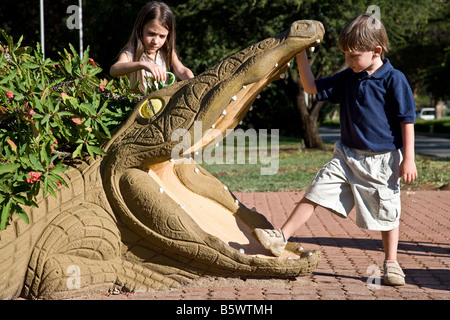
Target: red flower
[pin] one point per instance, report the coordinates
(35, 176)
(10, 94)
(77, 120)
(64, 96)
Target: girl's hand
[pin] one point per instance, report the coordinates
(157, 71)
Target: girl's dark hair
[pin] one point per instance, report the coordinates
(163, 14)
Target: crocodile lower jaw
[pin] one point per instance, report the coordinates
(210, 204)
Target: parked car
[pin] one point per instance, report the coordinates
(427, 114)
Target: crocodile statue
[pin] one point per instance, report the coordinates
(138, 219)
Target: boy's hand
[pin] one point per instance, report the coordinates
(408, 171)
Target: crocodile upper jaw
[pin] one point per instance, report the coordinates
(249, 72)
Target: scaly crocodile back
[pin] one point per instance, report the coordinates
(18, 239)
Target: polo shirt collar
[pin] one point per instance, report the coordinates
(381, 73)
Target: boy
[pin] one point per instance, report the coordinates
(377, 114)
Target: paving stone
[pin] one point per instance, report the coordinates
(350, 255)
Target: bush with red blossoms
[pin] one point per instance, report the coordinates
(50, 112)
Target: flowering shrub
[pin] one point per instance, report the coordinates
(50, 112)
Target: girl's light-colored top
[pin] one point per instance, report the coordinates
(145, 76)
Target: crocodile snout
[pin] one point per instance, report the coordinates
(307, 29)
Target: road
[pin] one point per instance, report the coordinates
(436, 146)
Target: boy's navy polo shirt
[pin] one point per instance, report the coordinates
(371, 106)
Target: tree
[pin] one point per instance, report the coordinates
(219, 28)
(209, 31)
(215, 29)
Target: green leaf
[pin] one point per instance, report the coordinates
(21, 213)
(46, 118)
(77, 151)
(8, 167)
(6, 214)
(65, 113)
(60, 169)
(25, 201)
(94, 150)
(30, 65)
(37, 165)
(8, 78)
(45, 152)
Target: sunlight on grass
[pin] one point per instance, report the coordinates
(297, 168)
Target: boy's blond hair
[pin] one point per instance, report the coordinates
(363, 33)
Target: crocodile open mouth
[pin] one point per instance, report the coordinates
(206, 200)
(166, 197)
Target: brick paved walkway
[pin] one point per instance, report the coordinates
(351, 256)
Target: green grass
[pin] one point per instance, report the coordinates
(297, 167)
(433, 173)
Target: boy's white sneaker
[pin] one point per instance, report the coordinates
(272, 240)
(393, 273)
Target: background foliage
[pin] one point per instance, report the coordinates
(208, 31)
(64, 106)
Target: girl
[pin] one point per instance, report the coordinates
(150, 52)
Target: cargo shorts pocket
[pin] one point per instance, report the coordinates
(389, 204)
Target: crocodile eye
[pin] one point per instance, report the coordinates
(151, 107)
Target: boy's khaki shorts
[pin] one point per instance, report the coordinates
(366, 180)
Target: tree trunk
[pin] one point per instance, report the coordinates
(440, 106)
(308, 116)
(309, 113)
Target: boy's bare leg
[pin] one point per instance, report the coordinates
(393, 273)
(390, 243)
(302, 212)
